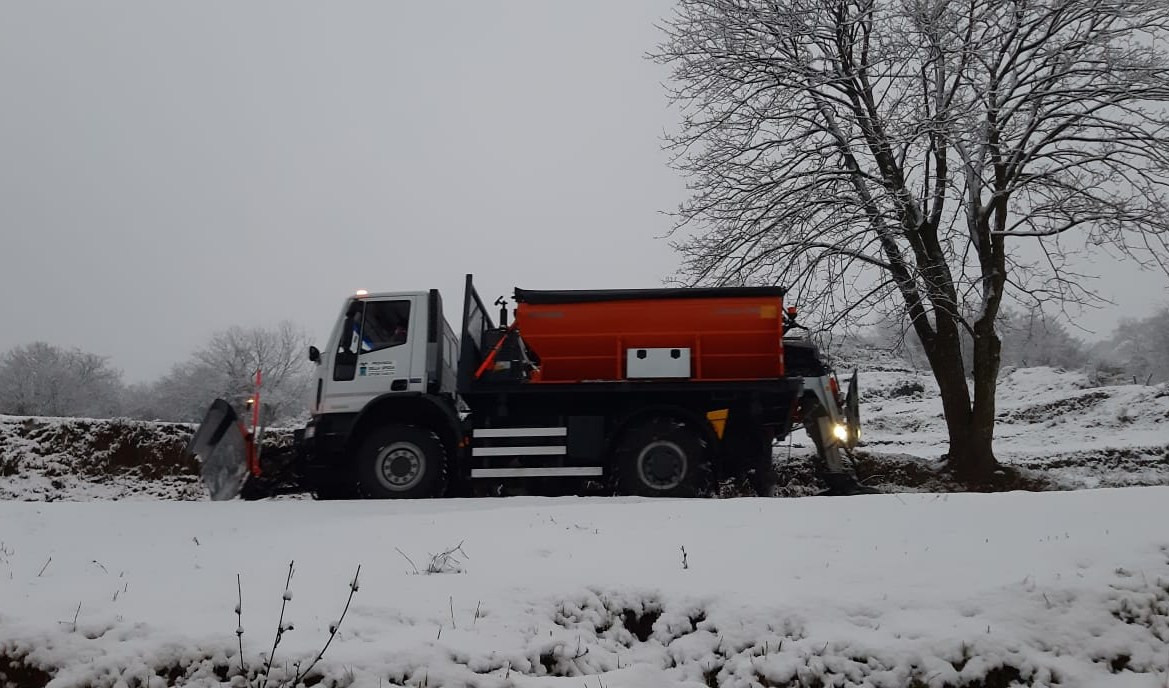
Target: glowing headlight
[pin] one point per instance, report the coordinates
(840, 431)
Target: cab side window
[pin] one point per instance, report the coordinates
(345, 358)
(385, 325)
(352, 342)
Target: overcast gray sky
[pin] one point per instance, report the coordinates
(169, 169)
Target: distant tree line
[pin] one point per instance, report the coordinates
(1136, 352)
(40, 379)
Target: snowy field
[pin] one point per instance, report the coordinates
(1066, 588)
(1070, 431)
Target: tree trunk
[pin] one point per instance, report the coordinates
(969, 423)
(980, 464)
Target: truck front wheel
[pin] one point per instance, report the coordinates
(662, 457)
(401, 462)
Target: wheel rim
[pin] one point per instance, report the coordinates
(662, 465)
(400, 466)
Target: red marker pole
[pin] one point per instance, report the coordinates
(256, 403)
(254, 454)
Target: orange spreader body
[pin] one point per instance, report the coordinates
(730, 338)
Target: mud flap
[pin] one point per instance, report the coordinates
(221, 446)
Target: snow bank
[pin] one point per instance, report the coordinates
(78, 459)
(1052, 421)
(891, 590)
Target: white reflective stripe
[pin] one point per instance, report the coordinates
(519, 451)
(561, 472)
(521, 432)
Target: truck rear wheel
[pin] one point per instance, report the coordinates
(662, 457)
(401, 462)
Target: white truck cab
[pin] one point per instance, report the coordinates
(385, 343)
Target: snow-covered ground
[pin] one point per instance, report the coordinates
(1057, 422)
(123, 583)
(1064, 588)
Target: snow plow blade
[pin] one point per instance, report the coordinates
(221, 446)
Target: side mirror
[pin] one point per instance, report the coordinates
(314, 354)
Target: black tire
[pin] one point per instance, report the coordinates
(401, 462)
(662, 457)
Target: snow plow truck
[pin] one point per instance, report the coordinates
(651, 392)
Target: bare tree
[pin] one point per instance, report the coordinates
(226, 367)
(44, 380)
(921, 158)
(1139, 349)
(281, 353)
(1031, 338)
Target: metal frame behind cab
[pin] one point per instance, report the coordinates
(471, 344)
(437, 363)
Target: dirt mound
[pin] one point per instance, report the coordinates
(48, 459)
(69, 458)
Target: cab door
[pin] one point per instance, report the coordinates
(375, 352)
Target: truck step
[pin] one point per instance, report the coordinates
(539, 472)
(549, 450)
(521, 432)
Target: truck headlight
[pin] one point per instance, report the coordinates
(309, 431)
(840, 431)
